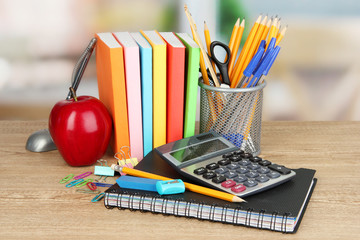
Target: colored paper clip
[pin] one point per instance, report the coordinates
(102, 184)
(84, 175)
(75, 182)
(67, 178)
(91, 186)
(85, 182)
(98, 197)
(88, 191)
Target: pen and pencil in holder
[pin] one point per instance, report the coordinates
(235, 113)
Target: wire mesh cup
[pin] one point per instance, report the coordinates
(235, 113)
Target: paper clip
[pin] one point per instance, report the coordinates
(91, 186)
(126, 157)
(102, 184)
(88, 191)
(84, 182)
(67, 178)
(83, 175)
(98, 197)
(75, 182)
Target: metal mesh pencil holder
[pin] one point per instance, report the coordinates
(235, 113)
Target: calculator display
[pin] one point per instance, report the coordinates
(201, 149)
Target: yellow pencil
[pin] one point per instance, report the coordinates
(280, 36)
(233, 35)
(254, 43)
(191, 187)
(236, 47)
(202, 49)
(265, 32)
(235, 76)
(208, 42)
(272, 32)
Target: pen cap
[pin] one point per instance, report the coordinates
(264, 64)
(273, 57)
(254, 62)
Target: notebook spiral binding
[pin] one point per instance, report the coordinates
(182, 208)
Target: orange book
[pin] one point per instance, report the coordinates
(175, 81)
(111, 86)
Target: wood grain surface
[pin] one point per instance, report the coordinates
(34, 205)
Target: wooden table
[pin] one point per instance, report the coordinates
(35, 205)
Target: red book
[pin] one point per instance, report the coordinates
(175, 79)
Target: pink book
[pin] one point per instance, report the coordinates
(133, 92)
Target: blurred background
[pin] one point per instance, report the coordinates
(315, 77)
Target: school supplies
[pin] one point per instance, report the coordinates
(83, 175)
(175, 186)
(222, 66)
(234, 44)
(111, 86)
(133, 91)
(175, 55)
(103, 169)
(159, 86)
(67, 178)
(192, 56)
(98, 197)
(146, 58)
(191, 187)
(139, 183)
(278, 209)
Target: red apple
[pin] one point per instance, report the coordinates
(81, 129)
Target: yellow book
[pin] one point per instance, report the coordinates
(159, 86)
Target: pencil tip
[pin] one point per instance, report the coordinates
(237, 199)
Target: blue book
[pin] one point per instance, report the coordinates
(146, 90)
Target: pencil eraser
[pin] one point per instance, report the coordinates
(138, 183)
(170, 187)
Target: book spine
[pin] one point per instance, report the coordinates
(180, 207)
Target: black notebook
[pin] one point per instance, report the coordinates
(279, 209)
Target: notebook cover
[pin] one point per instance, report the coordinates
(175, 57)
(192, 56)
(159, 86)
(111, 86)
(146, 90)
(133, 92)
(285, 199)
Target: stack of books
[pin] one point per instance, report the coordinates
(148, 81)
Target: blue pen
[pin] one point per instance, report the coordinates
(253, 63)
(258, 73)
(270, 47)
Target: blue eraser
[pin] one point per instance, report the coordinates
(145, 184)
(170, 187)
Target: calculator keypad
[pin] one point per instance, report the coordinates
(240, 173)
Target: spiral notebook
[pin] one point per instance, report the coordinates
(279, 209)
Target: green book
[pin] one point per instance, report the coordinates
(192, 58)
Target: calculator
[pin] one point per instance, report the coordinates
(211, 160)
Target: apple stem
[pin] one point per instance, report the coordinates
(73, 93)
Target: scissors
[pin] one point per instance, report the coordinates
(222, 66)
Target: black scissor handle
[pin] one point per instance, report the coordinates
(222, 66)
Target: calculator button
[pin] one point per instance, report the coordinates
(224, 162)
(228, 184)
(246, 155)
(227, 155)
(255, 159)
(235, 158)
(212, 166)
(252, 174)
(238, 188)
(230, 175)
(279, 168)
(253, 166)
(240, 179)
(244, 162)
(242, 170)
(239, 152)
(209, 175)
(200, 171)
(221, 170)
(273, 174)
(263, 170)
(218, 179)
(264, 163)
(232, 166)
(250, 183)
(262, 179)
